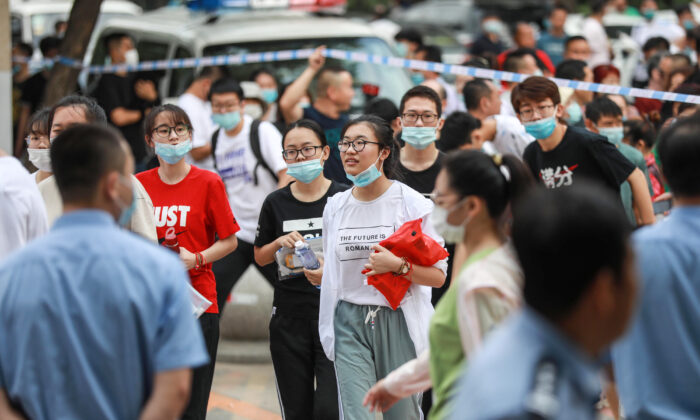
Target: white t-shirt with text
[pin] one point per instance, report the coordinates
(199, 112)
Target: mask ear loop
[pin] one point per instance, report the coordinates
(498, 161)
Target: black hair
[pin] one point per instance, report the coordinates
(212, 72)
(571, 69)
(682, 9)
(226, 85)
(421, 91)
(554, 241)
(384, 108)
(636, 130)
(49, 43)
(473, 91)
(385, 136)
(112, 38)
(656, 43)
(25, 48)
(685, 106)
(478, 62)
(571, 39)
(93, 112)
(81, 155)
(39, 122)
(410, 35)
(559, 6)
(473, 172)
(457, 131)
(654, 61)
(177, 115)
(308, 124)
(514, 59)
(432, 53)
(602, 107)
(598, 6)
(679, 153)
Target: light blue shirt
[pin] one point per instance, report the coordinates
(657, 363)
(89, 314)
(553, 46)
(510, 376)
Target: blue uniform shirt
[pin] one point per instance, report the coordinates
(88, 315)
(527, 367)
(553, 46)
(657, 363)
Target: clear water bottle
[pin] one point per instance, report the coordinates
(306, 255)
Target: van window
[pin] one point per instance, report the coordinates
(181, 78)
(16, 25)
(392, 81)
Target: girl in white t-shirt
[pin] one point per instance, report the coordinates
(38, 144)
(359, 330)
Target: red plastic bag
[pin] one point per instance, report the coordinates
(418, 249)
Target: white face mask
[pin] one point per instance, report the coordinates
(254, 110)
(131, 57)
(41, 158)
(450, 233)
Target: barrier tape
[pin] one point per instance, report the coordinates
(361, 57)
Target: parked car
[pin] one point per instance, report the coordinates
(461, 17)
(176, 32)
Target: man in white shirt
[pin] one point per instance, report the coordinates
(248, 178)
(506, 133)
(22, 212)
(595, 33)
(196, 104)
(654, 26)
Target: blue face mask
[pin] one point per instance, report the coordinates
(367, 176)
(16, 69)
(127, 211)
(575, 114)
(305, 171)
(173, 153)
(227, 121)
(401, 49)
(269, 95)
(688, 24)
(541, 129)
(419, 137)
(614, 134)
(648, 14)
(417, 78)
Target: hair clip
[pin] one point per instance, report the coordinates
(505, 171)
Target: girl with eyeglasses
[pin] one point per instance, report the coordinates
(190, 203)
(359, 330)
(473, 194)
(305, 377)
(38, 144)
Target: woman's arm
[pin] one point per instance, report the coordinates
(217, 251)
(383, 261)
(265, 254)
(406, 380)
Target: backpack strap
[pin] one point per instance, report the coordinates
(214, 140)
(257, 152)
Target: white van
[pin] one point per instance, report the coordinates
(177, 32)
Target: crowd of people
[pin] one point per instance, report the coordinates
(570, 288)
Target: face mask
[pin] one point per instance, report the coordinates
(575, 114)
(547, 23)
(614, 134)
(688, 24)
(648, 14)
(540, 129)
(269, 95)
(304, 105)
(48, 65)
(16, 69)
(227, 121)
(131, 57)
(450, 233)
(367, 176)
(305, 171)
(41, 158)
(254, 110)
(417, 78)
(492, 26)
(419, 137)
(173, 153)
(538, 72)
(127, 211)
(401, 49)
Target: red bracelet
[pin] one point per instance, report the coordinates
(197, 260)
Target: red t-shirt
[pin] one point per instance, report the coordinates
(198, 208)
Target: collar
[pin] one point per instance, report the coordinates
(86, 217)
(583, 370)
(686, 211)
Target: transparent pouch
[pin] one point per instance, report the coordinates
(199, 303)
(288, 263)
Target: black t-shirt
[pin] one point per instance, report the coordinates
(33, 91)
(281, 214)
(422, 181)
(333, 168)
(580, 155)
(115, 91)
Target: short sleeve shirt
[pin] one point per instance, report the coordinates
(199, 112)
(333, 168)
(237, 163)
(198, 210)
(281, 214)
(422, 181)
(580, 155)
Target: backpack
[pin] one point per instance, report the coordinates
(254, 146)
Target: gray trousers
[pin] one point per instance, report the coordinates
(367, 348)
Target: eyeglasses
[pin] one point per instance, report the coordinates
(529, 113)
(426, 117)
(358, 144)
(38, 140)
(163, 131)
(306, 151)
